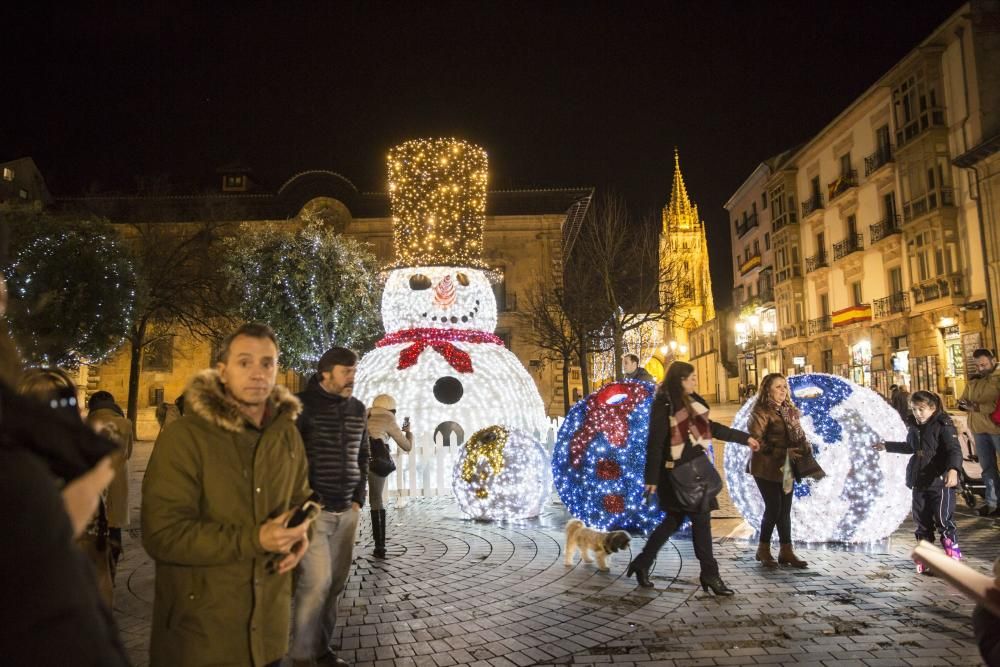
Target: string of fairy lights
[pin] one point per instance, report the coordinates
(91, 306)
(437, 190)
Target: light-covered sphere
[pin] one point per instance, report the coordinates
(599, 459)
(439, 297)
(501, 473)
(863, 497)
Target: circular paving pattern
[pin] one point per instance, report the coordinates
(489, 590)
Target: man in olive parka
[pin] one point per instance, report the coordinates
(220, 485)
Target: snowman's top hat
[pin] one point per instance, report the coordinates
(437, 188)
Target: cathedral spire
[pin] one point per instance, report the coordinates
(680, 213)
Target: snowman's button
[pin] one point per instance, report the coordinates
(448, 390)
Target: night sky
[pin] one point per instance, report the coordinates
(560, 94)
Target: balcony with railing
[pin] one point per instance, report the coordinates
(924, 120)
(811, 205)
(886, 228)
(750, 264)
(746, 225)
(938, 288)
(787, 273)
(896, 303)
(817, 262)
(844, 183)
(820, 324)
(882, 156)
(784, 220)
(766, 295)
(928, 203)
(793, 331)
(853, 243)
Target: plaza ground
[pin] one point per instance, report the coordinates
(454, 591)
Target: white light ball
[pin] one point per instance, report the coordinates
(502, 473)
(863, 497)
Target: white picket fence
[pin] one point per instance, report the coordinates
(426, 469)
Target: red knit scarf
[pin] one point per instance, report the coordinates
(441, 341)
(682, 423)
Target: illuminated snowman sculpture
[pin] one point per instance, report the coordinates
(449, 373)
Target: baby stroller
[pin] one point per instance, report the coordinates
(970, 485)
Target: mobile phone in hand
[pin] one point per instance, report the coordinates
(406, 422)
(308, 511)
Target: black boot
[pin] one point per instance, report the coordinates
(641, 574)
(380, 538)
(717, 585)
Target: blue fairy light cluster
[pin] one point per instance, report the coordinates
(863, 497)
(599, 458)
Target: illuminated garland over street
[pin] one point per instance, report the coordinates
(501, 474)
(437, 188)
(864, 497)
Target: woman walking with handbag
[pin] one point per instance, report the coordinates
(681, 475)
(785, 456)
(381, 426)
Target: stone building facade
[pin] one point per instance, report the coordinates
(881, 227)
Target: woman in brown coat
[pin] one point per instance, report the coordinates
(784, 456)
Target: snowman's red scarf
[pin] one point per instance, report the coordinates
(441, 340)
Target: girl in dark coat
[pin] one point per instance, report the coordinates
(932, 472)
(679, 430)
(785, 456)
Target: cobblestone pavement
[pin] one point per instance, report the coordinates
(454, 591)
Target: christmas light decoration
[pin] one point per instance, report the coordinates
(599, 459)
(74, 295)
(863, 497)
(439, 358)
(437, 189)
(501, 474)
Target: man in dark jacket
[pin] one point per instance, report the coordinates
(334, 430)
(633, 371)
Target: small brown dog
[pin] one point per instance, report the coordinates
(578, 536)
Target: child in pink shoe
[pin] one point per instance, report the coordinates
(932, 472)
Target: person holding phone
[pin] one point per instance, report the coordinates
(979, 399)
(221, 485)
(382, 426)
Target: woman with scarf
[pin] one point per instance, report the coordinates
(784, 457)
(679, 431)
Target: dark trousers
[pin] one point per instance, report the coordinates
(701, 535)
(777, 511)
(934, 507)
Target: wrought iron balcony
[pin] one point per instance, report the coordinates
(938, 288)
(820, 324)
(853, 243)
(886, 228)
(916, 208)
(894, 304)
(766, 295)
(793, 331)
(817, 261)
(784, 220)
(846, 181)
(749, 264)
(787, 273)
(745, 226)
(882, 156)
(813, 204)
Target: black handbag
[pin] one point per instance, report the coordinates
(695, 481)
(381, 461)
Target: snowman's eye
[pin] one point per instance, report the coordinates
(419, 281)
(463, 279)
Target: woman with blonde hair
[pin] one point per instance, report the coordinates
(784, 457)
(381, 426)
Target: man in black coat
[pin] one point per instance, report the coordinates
(334, 430)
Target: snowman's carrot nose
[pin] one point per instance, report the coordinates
(444, 293)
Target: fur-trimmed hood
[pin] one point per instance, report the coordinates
(206, 397)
